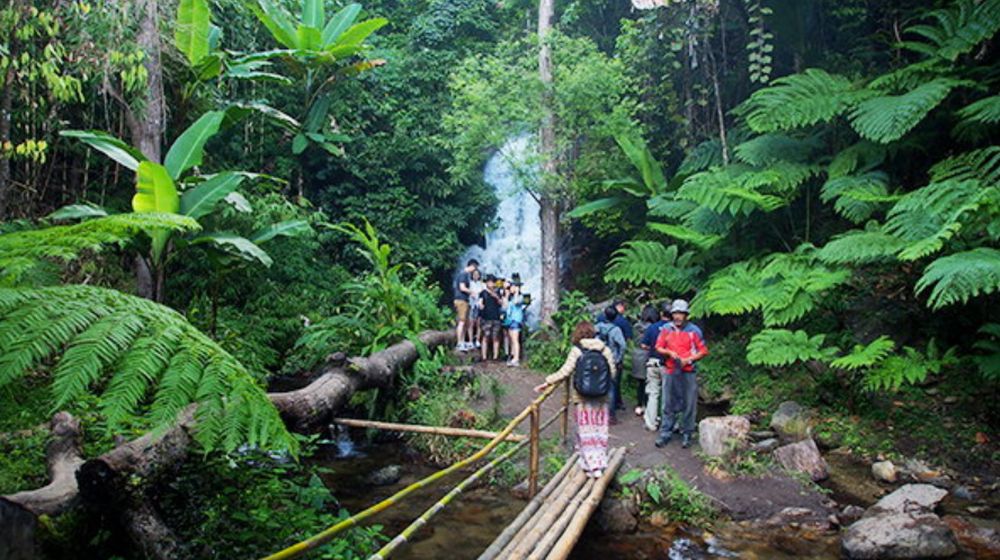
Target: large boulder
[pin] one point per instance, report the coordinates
(899, 535)
(804, 457)
(385, 476)
(884, 471)
(910, 498)
(720, 435)
(617, 515)
(792, 421)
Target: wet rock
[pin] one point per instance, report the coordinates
(963, 492)
(899, 535)
(978, 542)
(804, 457)
(617, 515)
(791, 421)
(798, 517)
(850, 514)
(828, 439)
(760, 435)
(721, 435)
(385, 476)
(766, 445)
(916, 469)
(884, 471)
(909, 498)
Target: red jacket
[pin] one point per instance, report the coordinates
(685, 341)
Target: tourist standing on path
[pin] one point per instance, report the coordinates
(514, 320)
(622, 320)
(611, 334)
(461, 290)
(588, 356)
(475, 287)
(640, 355)
(654, 369)
(489, 317)
(683, 344)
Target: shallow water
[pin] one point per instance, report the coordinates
(470, 523)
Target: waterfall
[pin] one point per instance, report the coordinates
(515, 244)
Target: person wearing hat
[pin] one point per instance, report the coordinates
(681, 343)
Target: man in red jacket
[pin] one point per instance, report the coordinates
(682, 344)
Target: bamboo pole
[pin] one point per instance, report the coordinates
(329, 533)
(533, 458)
(565, 544)
(435, 430)
(497, 545)
(552, 511)
(567, 482)
(544, 544)
(403, 537)
(565, 412)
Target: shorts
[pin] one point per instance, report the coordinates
(491, 329)
(461, 309)
(514, 325)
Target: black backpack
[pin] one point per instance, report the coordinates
(592, 377)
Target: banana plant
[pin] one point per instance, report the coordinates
(319, 50)
(650, 181)
(157, 189)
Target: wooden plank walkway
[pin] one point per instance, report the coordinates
(549, 526)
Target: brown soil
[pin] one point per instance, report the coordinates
(740, 497)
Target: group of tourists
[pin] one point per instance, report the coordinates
(663, 361)
(490, 313)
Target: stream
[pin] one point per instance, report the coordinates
(470, 523)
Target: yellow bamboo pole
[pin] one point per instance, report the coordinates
(325, 536)
(434, 430)
(533, 458)
(547, 539)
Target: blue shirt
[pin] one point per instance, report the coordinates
(649, 337)
(625, 326)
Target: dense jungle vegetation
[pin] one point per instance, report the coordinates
(202, 198)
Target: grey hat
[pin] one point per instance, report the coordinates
(679, 306)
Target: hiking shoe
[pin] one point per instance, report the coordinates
(662, 441)
(686, 441)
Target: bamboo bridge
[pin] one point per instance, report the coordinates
(549, 525)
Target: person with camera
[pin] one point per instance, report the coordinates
(491, 304)
(514, 321)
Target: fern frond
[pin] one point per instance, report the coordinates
(799, 100)
(982, 165)
(667, 205)
(910, 367)
(985, 111)
(989, 344)
(21, 251)
(960, 277)
(958, 29)
(860, 247)
(865, 356)
(780, 347)
(928, 217)
(771, 148)
(734, 290)
(652, 263)
(858, 158)
(856, 197)
(700, 240)
(887, 118)
(140, 359)
(721, 190)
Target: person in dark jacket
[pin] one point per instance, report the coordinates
(611, 333)
(640, 355)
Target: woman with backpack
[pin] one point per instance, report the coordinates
(592, 366)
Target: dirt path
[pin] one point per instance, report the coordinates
(742, 498)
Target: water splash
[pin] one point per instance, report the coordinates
(342, 439)
(515, 245)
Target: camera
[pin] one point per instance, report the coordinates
(526, 299)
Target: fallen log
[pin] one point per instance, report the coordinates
(18, 512)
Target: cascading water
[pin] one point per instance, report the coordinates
(515, 245)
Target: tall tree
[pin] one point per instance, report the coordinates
(549, 204)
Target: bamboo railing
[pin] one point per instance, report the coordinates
(532, 411)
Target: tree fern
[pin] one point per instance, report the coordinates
(865, 356)
(652, 263)
(799, 100)
(959, 28)
(977, 116)
(858, 158)
(909, 367)
(779, 347)
(928, 217)
(734, 290)
(21, 251)
(856, 197)
(721, 190)
(140, 359)
(887, 118)
(989, 344)
(982, 165)
(771, 148)
(960, 277)
(681, 233)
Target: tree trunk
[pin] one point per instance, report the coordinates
(148, 126)
(6, 106)
(548, 199)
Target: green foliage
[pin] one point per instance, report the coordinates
(960, 277)
(780, 347)
(908, 368)
(928, 217)
(251, 506)
(989, 344)
(959, 28)
(856, 196)
(671, 494)
(799, 100)
(142, 359)
(547, 349)
(888, 118)
(652, 263)
(865, 356)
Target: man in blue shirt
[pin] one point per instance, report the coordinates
(622, 321)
